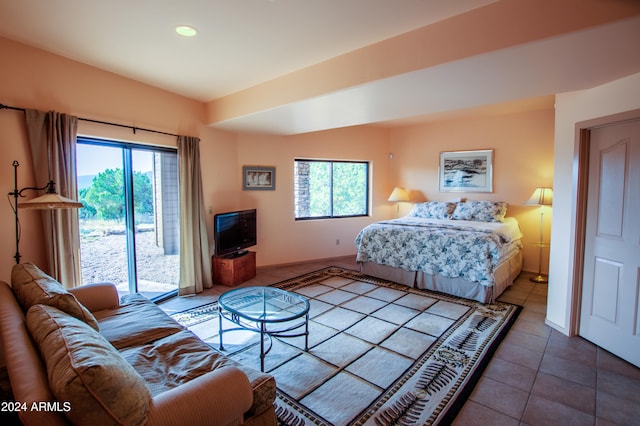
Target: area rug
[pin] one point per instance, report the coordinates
(380, 353)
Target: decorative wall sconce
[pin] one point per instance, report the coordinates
(49, 201)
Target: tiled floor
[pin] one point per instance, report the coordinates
(538, 376)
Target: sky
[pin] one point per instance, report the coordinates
(93, 159)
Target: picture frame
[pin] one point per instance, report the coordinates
(466, 171)
(258, 178)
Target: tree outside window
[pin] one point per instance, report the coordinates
(331, 189)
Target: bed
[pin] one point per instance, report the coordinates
(466, 249)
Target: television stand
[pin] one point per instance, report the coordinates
(236, 254)
(231, 270)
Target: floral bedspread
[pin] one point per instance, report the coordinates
(466, 249)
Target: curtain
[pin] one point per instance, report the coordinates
(52, 138)
(195, 261)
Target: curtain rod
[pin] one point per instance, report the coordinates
(133, 128)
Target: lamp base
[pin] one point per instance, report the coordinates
(540, 279)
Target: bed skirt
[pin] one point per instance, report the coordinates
(505, 274)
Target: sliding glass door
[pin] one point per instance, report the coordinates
(129, 227)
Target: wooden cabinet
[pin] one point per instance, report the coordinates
(231, 271)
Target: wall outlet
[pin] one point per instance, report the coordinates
(337, 242)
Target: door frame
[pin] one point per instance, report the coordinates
(581, 183)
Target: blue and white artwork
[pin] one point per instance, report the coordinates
(466, 171)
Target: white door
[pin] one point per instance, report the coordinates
(611, 277)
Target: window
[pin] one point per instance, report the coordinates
(331, 189)
(129, 226)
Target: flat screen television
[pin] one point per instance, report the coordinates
(234, 232)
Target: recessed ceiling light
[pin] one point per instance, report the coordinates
(186, 31)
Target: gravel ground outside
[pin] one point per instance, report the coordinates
(103, 259)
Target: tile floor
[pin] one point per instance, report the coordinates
(537, 376)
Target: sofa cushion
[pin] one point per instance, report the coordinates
(86, 371)
(176, 359)
(136, 321)
(32, 286)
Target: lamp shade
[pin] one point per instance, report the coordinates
(398, 194)
(542, 196)
(50, 201)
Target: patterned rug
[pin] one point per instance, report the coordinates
(380, 353)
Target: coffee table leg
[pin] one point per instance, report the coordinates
(306, 332)
(262, 331)
(220, 323)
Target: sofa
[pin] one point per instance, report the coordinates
(84, 357)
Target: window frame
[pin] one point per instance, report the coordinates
(127, 163)
(331, 163)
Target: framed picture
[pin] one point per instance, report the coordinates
(466, 171)
(258, 178)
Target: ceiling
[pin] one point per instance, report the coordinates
(243, 43)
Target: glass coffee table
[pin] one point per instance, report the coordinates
(267, 310)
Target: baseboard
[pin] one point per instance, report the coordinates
(349, 257)
(558, 328)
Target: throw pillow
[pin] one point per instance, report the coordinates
(86, 371)
(32, 287)
(481, 211)
(433, 210)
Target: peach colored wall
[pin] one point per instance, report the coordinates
(35, 79)
(523, 159)
(281, 239)
(31, 78)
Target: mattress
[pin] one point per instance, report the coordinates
(469, 250)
